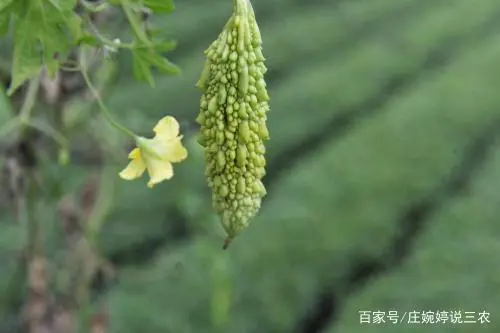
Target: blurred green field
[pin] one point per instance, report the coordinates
(383, 176)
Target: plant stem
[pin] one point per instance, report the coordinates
(105, 40)
(49, 131)
(132, 19)
(104, 110)
(29, 102)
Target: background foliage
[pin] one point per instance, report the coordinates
(383, 177)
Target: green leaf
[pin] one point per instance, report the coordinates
(66, 14)
(26, 61)
(146, 57)
(88, 40)
(142, 69)
(63, 6)
(161, 63)
(165, 46)
(158, 37)
(135, 22)
(160, 6)
(20, 7)
(76, 28)
(4, 23)
(40, 37)
(6, 9)
(4, 4)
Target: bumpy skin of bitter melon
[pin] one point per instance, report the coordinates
(232, 116)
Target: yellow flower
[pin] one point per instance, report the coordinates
(157, 154)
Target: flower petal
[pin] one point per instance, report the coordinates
(159, 170)
(134, 169)
(135, 153)
(167, 128)
(177, 152)
(170, 151)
